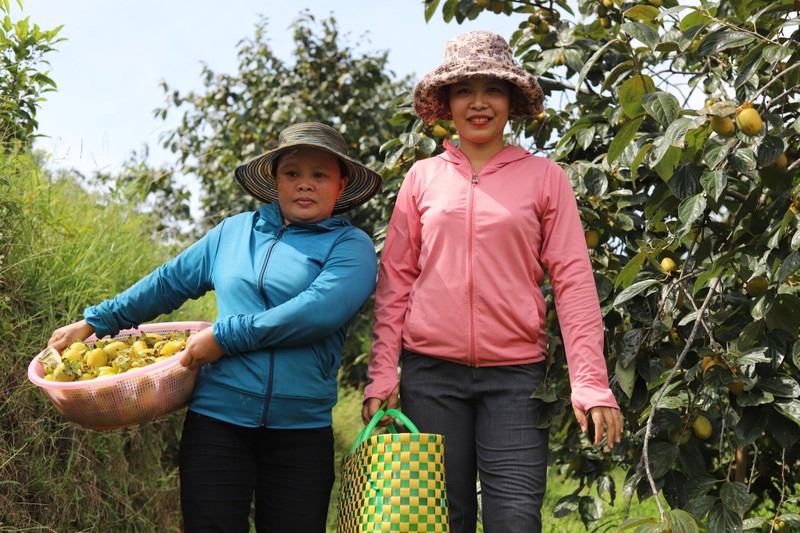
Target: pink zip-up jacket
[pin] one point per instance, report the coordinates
(463, 263)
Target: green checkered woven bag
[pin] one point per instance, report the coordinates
(394, 481)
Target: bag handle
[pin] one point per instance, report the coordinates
(370, 427)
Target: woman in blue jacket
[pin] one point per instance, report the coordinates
(288, 280)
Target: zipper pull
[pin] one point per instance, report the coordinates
(475, 179)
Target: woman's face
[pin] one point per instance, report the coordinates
(480, 108)
(309, 182)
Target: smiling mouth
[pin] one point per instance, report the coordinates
(479, 120)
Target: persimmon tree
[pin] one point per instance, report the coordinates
(678, 127)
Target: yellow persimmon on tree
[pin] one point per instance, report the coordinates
(677, 123)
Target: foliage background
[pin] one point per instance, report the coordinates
(631, 87)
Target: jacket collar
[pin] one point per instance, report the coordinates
(269, 218)
(508, 154)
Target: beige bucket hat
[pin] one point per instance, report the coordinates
(257, 177)
(476, 54)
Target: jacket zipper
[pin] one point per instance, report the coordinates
(470, 217)
(271, 374)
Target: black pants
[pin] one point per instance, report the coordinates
(222, 466)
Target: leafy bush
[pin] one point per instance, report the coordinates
(678, 126)
(58, 256)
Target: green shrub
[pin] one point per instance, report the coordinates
(63, 248)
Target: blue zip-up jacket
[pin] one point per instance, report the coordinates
(285, 297)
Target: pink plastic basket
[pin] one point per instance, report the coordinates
(137, 396)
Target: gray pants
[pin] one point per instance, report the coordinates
(489, 422)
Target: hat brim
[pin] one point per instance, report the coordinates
(430, 97)
(256, 177)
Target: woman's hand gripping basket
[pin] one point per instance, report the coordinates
(136, 396)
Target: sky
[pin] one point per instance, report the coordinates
(116, 53)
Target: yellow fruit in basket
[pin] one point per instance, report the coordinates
(139, 346)
(112, 349)
(172, 347)
(96, 358)
(153, 337)
(80, 346)
(104, 371)
(49, 377)
(63, 373)
(86, 376)
(71, 354)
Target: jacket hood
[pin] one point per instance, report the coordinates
(268, 218)
(509, 154)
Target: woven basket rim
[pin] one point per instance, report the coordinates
(36, 374)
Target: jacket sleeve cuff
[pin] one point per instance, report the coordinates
(585, 398)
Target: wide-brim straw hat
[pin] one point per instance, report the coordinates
(257, 176)
(476, 54)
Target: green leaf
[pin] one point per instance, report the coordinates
(785, 314)
(642, 12)
(716, 154)
(590, 510)
(743, 160)
(664, 163)
(662, 457)
(754, 398)
(643, 33)
(701, 505)
(720, 518)
(410, 139)
(566, 506)
(626, 377)
(630, 270)
(789, 266)
(640, 524)
(662, 106)
(750, 427)
(632, 92)
(691, 209)
(749, 65)
(781, 386)
(768, 151)
(722, 40)
(786, 432)
(591, 62)
(627, 346)
(430, 9)
(796, 354)
(790, 409)
(623, 139)
(615, 74)
(696, 18)
(606, 485)
(685, 181)
(714, 183)
(449, 10)
(680, 520)
(735, 497)
(393, 156)
(585, 138)
(634, 290)
(546, 391)
(676, 132)
(427, 145)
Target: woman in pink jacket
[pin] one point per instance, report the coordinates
(459, 305)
